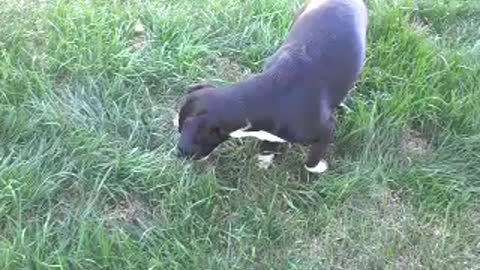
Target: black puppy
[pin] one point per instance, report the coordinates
(294, 97)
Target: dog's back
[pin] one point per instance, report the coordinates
(325, 48)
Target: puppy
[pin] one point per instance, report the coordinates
(294, 97)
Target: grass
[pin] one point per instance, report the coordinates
(88, 179)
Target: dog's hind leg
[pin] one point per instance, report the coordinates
(268, 150)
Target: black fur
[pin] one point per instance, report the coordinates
(296, 93)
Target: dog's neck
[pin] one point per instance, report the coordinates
(244, 102)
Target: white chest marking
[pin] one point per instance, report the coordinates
(261, 135)
(321, 167)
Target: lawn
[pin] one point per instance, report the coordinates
(89, 178)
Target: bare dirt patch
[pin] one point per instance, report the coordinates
(388, 225)
(228, 68)
(138, 41)
(414, 143)
(126, 210)
(421, 25)
(224, 68)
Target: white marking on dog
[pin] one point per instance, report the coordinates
(321, 167)
(204, 158)
(261, 135)
(176, 120)
(264, 161)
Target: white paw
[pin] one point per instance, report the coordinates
(265, 161)
(321, 167)
(176, 120)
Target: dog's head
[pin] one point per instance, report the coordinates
(199, 123)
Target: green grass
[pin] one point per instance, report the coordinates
(88, 178)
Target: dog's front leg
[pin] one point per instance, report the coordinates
(316, 162)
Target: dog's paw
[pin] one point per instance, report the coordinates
(176, 121)
(265, 161)
(321, 167)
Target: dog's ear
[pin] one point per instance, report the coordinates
(195, 87)
(191, 108)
